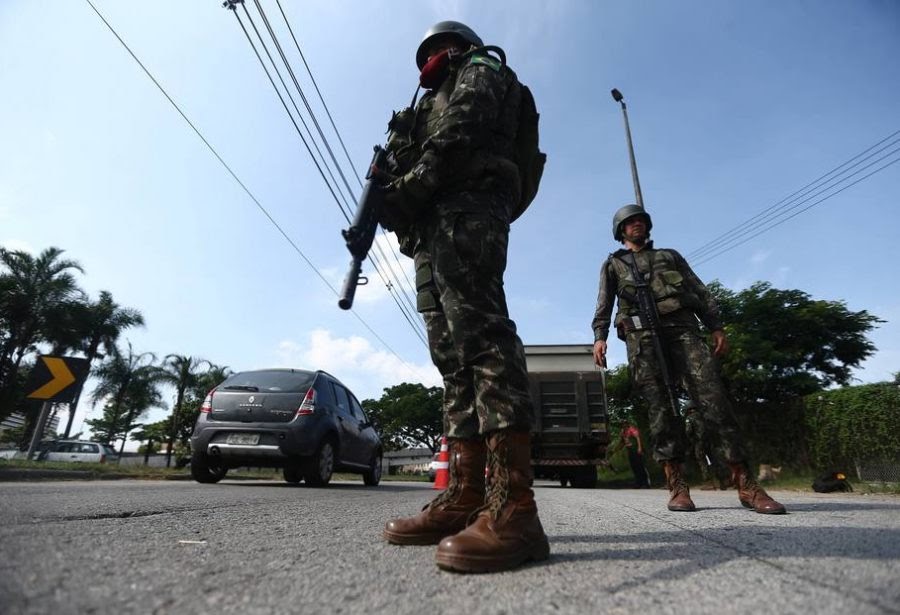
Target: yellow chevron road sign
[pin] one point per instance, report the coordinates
(56, 379)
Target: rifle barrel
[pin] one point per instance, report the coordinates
(350, 282)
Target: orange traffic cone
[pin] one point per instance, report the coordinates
(442, 469)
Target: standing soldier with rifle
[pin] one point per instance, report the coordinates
(661, 303)
(467, 164)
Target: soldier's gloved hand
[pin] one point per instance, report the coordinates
(405, 199)
(396, 213)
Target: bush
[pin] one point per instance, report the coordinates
(854, 424)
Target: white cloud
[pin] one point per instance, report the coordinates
(16, 244)
(760, 256)
(355, 362)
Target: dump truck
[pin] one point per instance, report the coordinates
(571, 423)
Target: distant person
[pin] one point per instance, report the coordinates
(457, 188)
(682, 301)
(630, 440)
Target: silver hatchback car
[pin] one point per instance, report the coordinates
(78, 451)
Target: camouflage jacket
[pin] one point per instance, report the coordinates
(681, 298)
(459, 140)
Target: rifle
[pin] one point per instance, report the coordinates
(361, 233)
(647, 307)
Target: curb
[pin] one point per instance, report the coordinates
(28, 474)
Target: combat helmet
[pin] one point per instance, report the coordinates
(627, 212)
(441, 28)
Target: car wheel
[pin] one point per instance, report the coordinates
(292, 474)
(321, 466)
(203, 471)
(372, 476)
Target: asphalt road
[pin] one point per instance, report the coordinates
(266, 547)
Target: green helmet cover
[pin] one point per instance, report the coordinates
(442, 28)
(627, 212)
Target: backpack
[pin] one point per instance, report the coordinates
(833, 481)
(528, 157)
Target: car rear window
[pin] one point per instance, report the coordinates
(272, 381)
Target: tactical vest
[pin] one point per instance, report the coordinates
(492, 165)
(660, 270)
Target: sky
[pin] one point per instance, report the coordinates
(733, 106)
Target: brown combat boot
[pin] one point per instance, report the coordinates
(449, 511)
(506, 531)
(678, 488)
(751, 494)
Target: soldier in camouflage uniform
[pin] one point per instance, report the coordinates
(451, 208)
(681, 300)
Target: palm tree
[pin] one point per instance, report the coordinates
(130, 382)
(181, 372)
(99, 325)
(210, 379)
(32, 289)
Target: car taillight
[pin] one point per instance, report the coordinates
(309, 403)
(206, 406)
(102, 458)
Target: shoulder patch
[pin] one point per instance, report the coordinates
(487, 60)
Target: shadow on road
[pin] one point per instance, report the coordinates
(695, 550)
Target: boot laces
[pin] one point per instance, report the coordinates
(750, 487)
(453, 490)
(497, 493)
(677, 485)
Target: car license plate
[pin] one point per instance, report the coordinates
(249, 439)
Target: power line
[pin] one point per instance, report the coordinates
(334, 190)
(312, 115)
(795, 214)
(795, 199)
(321, 98)
(381, 264)
(405, 291)
(241, 183)
(343, 208)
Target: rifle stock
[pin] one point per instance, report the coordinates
(361, 234)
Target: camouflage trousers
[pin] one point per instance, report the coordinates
(460, 259)
(690, 363)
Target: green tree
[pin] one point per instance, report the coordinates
(98, 325)
(193, 398)
(407, 415)
(32, 291)
(154, 434)
(182, 372)
(130, 384)
(785, 344)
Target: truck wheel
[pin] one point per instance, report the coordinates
(585, 478)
